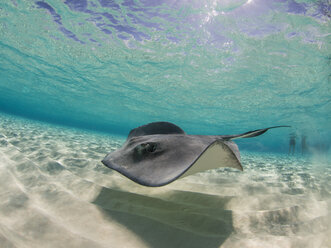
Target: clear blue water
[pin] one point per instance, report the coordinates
(82, 73)
(211, 67)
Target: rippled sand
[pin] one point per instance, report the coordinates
(54, 192)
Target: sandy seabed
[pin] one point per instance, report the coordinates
(54, 192)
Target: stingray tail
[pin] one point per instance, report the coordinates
(250, 134)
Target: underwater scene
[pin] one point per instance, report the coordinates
(80, 78)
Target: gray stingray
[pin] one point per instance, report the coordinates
(158, 153)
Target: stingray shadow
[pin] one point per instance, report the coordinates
(171, 219)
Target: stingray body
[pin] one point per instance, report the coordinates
(158, 153)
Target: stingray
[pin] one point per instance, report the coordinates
(159, 153)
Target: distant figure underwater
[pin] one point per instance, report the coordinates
(291, 149)
(304, 147)
(159, 153)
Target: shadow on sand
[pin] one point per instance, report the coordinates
(171, 219)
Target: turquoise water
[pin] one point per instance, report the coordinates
(211, 67)
(77, 75)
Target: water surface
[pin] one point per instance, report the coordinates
(213, 67)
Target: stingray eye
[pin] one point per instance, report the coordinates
(146, 148)
(151, 147)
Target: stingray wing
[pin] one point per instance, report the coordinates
(181, 155)
(218, 154)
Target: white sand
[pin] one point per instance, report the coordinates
(54, 192)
